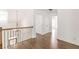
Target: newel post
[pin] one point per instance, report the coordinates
(0, 37)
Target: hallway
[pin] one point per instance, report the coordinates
(39, 36)
(40, 42)
(39, 29)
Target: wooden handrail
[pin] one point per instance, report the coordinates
(17, 28)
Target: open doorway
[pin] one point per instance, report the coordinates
(54, 32)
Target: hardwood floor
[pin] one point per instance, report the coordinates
(40, 42)
(66, 45)
(43, 42)
(0, 46)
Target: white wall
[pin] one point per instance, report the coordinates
(43, 20)
(38, 23)
(3, 18)
(24, 19)
(68, 22)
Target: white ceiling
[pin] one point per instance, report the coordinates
(53, 12)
